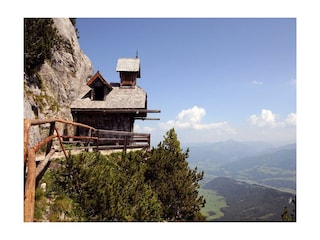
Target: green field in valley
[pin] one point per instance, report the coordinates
(214, 203)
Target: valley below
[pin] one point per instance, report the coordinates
(246, 181)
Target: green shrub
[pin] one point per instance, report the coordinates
(154, 185)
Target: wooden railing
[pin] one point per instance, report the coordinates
(96, 140)
(100, 139)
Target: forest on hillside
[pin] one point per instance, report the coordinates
(252, 202)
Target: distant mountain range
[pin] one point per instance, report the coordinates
(250, 202)
(253, 162)
(230, 150)
(213, 154)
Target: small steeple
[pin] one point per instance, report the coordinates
(129, 70)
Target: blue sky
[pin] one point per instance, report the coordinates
(213, 79)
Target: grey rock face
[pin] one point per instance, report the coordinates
(59, 79)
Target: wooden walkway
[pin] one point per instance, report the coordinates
(96, 140)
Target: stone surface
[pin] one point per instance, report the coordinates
(51, 91)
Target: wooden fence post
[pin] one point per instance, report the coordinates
(27, 125)
(49, 145)
(125, 144)
(88, 141)
(61, 144)
(31, 173)
(97, 141)
(30, 187)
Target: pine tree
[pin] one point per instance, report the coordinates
(39, 38)
(110, 188)
(175, 183)
(154, 185)
(285, 215)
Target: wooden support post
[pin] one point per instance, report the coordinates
(97, 141)
(51, 131)
(44, 163)
(59, 137)
(88, 141)
(27, 125)
(125, 144)
(30, 187)
(49, 145)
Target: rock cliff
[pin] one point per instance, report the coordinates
(49, 92)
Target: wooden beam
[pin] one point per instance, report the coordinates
(43, 121)
(79, 137)
(113, 147)
(43, 142)
(121, 133)
(116, 110)
(145, 118)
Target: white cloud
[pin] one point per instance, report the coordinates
(190, 126)
(192, 119)
(268, 119)
(291, 119)
(138, 128)
(192, 115)
(254, 82)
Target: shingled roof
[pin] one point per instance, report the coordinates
(128, 65)
(118, 98)
(99, 76)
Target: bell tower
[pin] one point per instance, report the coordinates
(129, 70)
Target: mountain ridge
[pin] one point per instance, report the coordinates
(232, 150)
(271, 166)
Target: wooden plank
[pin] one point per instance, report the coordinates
(79, 137)
(71, 142)
(141, 140)
(117, 110)
(140, 137)
(111, 147)
(77, 148)
(111, 139)
(121, 133)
